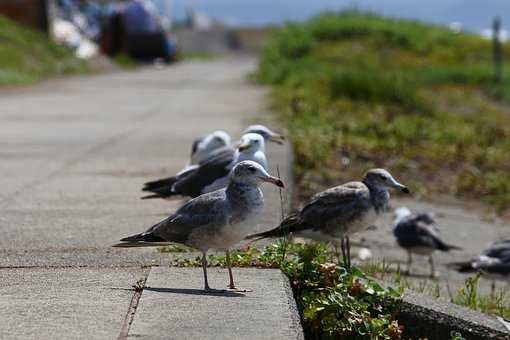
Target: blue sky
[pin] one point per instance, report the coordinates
(473, 14)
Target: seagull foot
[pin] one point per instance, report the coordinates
(239, 290)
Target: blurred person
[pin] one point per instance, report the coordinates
(145, 37)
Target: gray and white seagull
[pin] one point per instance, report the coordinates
(219, 219)
(203, 146)
(493, 262)
(418, 234)
(334, 214)
(211, 174)
(264, 131)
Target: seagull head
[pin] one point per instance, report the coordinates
(400, 213)
(215, 140)
(249, 172)
(218, 139)
(251, 143)
(266, 133)
(380, 178)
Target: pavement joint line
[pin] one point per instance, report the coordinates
(78, 266)
(133, 305)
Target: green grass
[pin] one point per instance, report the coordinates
(359, 90)
(27, 56)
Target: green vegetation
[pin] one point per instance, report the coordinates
(27, 56)
(359, 90)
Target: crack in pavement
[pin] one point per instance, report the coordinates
(133, 305)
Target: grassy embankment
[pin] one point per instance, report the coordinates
(360, 91)
(27, 56)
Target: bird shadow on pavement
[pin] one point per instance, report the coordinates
(190, 291)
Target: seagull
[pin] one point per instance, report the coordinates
(338, 212)
(265, 132)
(218, 219)
(494, 261)
(203, 146)
(213, 173)
(209, 149)
(418, 234)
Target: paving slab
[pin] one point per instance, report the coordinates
(65, 303)
(173, 306)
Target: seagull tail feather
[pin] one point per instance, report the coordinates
(141, 240)
(285, 227)
(447, 247)
(164, 182)
(462, 267)
(148, 197)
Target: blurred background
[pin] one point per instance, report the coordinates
(148, 29)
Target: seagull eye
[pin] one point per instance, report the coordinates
(252, 169)
(383, 177)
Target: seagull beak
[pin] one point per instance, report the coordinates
(276, 181)
(400, 187)
(243, 147)
(277, 138)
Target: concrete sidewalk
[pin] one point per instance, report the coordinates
(74, 155)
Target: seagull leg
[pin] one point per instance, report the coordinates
(342, 246)
(348, 247)
(231, 285)
(204, 267)
(432, 270)
(409, 262)
(231, 277)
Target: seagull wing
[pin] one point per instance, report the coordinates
(204, 211)
(420, 230)
(499, 250)
(193, 182)
(416, 231)
(342, 204)
(219, 153)
(495, 259)
(194, 146)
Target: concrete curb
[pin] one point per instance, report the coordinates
(425, 317)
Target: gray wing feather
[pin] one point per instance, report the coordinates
(341, 204)
(194, 181)
(419, 230)
(195, 144)
(204, 211)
